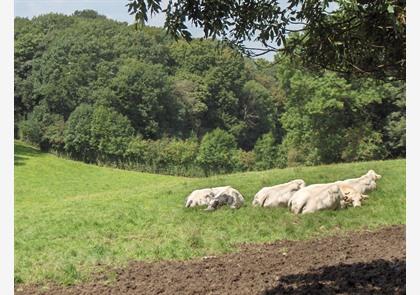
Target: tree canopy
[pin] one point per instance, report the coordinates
(356, 37)
(100, 91)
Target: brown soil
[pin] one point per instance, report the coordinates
(368, 262)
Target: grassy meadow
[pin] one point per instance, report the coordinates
(72, 219)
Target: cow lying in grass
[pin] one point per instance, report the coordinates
(298, 197)
(278, 195)
(324, 197)
(202, 197)
(350, 196)
(316, 198)
(364, 183)
(226, 196)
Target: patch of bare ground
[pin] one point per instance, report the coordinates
(365, 262)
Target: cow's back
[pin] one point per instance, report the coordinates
(328, 198)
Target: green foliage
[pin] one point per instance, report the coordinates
(354, 37)
(167, 156)
(313, 117)
(244, 160)
(196, 57)
(137, 151)
(191, 94)
(43, 129)
(395, 131)
(266, 152)
(30, 131)
(78, 133)
(73, 220)
(328, 119)
(363, 144)
(110, 133)
(98, 90)
(141, 92)
(259, 113)
(216, 153)
(164, 88)
(88, 13)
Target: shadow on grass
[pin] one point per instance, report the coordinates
(23, 152)
(375, 277)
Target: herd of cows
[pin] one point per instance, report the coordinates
(294, 195)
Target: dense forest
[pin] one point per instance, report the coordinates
(102, 91)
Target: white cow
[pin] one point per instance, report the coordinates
(364, 183)
(202, 197)
(278, 195)
(316, 197)
(226, 196)
(325, 196)
(351, 196)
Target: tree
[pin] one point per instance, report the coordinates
(258, 113)
(44, 128)
(65, 74)
(77, 135)
(329, 119)
(314, 117)
(141, 91)
(355, 37)
(216, 152)
(88, 13)
(395, 128)
(191, 92)
(266, 152)
(28, 46)
(87, 85)
(111, 134)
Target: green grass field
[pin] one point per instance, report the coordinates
(70, 216)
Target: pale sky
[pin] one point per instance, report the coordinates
(113, 9)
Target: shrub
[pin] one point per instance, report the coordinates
(43, 129)
(244, 161)
(182, 153)
(77, 134)
(111, 133)
(54, 134)
(395, 133)
(216, 153)
(30, 131)
(171, 156)
(266, 152)
(281, 161)
(136, 151)
(363, 144)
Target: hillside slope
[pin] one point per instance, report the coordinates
(72, 219)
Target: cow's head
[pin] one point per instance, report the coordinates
(214, 203)
(357, 200)
(346, 198)
(350, 196)
(209, 197)
(300, 183)
(373, 175)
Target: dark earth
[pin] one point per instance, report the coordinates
(364, 262)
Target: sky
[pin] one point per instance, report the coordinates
(113, 9)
